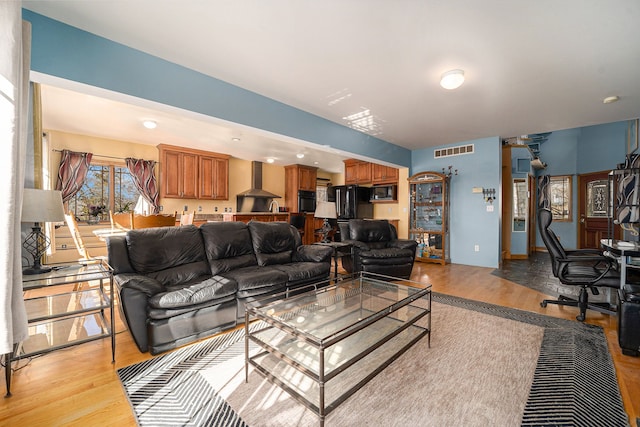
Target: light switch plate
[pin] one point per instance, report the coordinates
(489, 208)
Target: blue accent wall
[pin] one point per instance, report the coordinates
(70, 53)
(579, 151)
(520, 156)
(470, 223)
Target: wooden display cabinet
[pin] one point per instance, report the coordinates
(429, 216)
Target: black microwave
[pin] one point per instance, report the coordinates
(384, 192)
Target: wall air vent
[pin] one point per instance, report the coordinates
(453, 151)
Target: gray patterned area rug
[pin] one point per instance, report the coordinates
(487, 365)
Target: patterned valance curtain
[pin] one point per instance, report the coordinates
(144, 180)
(544, 192)
(72, 173)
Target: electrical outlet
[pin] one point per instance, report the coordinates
(160, 208)
(186, 208)
(476, 248)
(199, 208)
(489, 208)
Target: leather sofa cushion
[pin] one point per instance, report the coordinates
(222, 265)
(303, 272)
(224, 240)
(209, 289)
(370, 230)
(250, 278)
(181, 273)
(274, 242)
(162, 248)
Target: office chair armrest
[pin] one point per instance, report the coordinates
(582, 279)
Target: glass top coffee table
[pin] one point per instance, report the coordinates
(358, 326)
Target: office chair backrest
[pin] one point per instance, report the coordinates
(551, 241)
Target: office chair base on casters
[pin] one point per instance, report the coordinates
(582, 303)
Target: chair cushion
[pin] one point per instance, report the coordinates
(386, 253)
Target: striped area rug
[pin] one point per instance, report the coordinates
(574, 383)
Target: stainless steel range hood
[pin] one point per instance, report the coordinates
(255, 199)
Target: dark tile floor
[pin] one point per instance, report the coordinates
(535, 273)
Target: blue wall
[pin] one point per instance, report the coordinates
(470, 223)
(519, 240)
(579, 151)
(70, 53)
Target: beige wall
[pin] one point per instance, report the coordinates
(398, 211)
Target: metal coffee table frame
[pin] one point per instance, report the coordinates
(360, 324)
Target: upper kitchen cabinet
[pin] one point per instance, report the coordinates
(214, 178)
(193, 174)
(361, 173)
(384, 174)
(357, 172)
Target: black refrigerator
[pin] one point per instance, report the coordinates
(352, 201)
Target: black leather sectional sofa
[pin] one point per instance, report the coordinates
(179, 284)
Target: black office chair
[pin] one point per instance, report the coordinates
(586, 268)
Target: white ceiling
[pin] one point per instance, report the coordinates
(530, 67)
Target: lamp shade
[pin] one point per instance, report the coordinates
(325, 210)
(42, 206)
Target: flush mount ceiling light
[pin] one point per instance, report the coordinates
(452, 79)
(270, 160)
(300, 155)
(610, 99)
(149, 124)
(236, 139)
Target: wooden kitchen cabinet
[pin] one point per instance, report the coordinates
(193, 174)
(357, 172)
(384, 174)
(178, 174)
(256, 216)
(298, 177)
(214, 178)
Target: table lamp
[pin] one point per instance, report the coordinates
(326, 211)
(39, 206)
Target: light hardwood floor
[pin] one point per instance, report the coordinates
(79, 386)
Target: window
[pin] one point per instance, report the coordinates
(107, 187)
(560, 198)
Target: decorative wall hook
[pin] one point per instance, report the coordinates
(489, 194)
(448, 172)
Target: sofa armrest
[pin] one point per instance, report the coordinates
(313, 253)
(118, 255)
(140, 283)
(403, 244)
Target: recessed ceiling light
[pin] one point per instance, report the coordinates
(270, 160)
(300, 155)
(149, 124)
(452, 79)
(235, 139)
(610, 99)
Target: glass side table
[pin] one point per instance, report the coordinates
(63, 318)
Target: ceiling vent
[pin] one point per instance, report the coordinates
(453, 151)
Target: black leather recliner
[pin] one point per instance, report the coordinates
(377, 249)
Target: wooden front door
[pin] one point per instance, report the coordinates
(593, 209)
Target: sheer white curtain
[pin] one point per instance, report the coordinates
(15, 52)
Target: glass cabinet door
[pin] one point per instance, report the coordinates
(428, 217)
